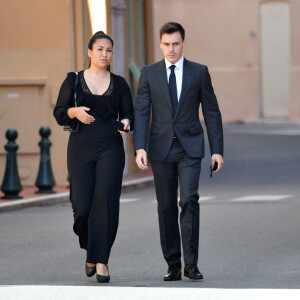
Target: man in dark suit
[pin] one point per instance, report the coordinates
(172, 90)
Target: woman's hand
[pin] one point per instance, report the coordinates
(126, 123)
(80, 114)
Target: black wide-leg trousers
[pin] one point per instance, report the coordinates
(95, 174)
(178, 166)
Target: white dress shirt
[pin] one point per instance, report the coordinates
(178, 74)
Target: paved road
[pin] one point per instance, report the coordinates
(249, 235)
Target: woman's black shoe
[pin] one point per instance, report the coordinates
(90, 271)
(102, 278)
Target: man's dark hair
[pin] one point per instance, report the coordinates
(172, 27)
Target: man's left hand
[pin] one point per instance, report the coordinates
(217, 158)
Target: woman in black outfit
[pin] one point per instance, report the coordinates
(96, 155)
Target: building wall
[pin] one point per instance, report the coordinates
(295, 60)
(40, 42)
(225, 35)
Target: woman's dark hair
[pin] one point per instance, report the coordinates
(99, 35)
(172, 27)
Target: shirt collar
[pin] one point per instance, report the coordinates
(178, 65)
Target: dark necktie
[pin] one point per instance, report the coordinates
(173, 89)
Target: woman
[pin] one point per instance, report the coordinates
(96, 154)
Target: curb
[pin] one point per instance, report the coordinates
(129, 185)
(264, 128)
(51, 199)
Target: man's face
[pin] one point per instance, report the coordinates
(172, 46)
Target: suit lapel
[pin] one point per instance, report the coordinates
(186, 83)
(163, 82)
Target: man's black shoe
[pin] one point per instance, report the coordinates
(174, 273)
(192, 272)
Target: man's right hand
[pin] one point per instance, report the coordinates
(141, 159)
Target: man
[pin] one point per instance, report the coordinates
(171, 91)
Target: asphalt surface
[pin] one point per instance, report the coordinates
(245, 243)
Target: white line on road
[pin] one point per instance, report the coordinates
(124, 200)
(202, 199)
(141, 293)
(261, 198)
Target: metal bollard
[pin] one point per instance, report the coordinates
(11, 185)
(45, 180)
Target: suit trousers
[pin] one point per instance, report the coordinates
(178, 166)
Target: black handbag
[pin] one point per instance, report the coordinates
(74, 127)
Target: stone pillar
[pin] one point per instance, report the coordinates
(118, 8)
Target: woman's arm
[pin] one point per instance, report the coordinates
(126, 107)
(64, 111)
(65, 100)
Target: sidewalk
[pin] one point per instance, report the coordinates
(30, 198)
(265, 127)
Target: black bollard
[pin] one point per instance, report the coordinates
(11, 185)
(45, 180)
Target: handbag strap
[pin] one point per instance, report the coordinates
(75, 91)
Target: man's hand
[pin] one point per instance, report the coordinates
(219, 159)
(141, 159)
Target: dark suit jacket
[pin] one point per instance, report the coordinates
(153, 95)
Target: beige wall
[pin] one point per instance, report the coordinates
(225, 35)
(42, 40)
(38, 47)
(295, 60)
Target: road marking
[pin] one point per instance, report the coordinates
(141, 293)
(124, 200)
(201, 199)
(258, 198)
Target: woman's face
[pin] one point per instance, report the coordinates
(101, 54)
